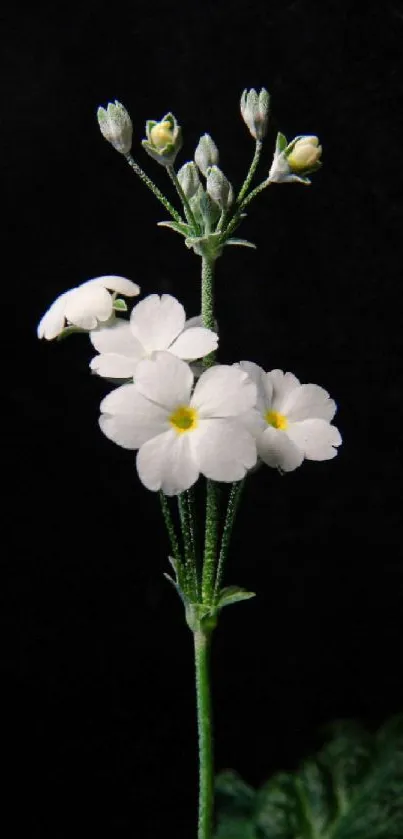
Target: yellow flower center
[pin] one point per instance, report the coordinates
(276, 420)
(161, 135)
(184, 419)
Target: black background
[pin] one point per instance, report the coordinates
(98, 660)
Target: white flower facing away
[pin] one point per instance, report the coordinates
(85, 306)
(181, 432)
(156, 324)
(291, 421)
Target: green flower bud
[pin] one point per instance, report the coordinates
(219, 188)
(294, 161)
(189, 180)
(116, 126)
(206, 154)
(255, 111)
(164, 139)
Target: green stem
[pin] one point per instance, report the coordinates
(158, 194)
(232, 509)
(207, 302)
(204, 725)
(190, 559)
(252, 170)
(170, 527)
(237, 217)
(210, 541)
(186, 206)
(254, 193)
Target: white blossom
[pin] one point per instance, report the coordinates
(291, 421)
(156, 323)
(84, 306)
(181, 432)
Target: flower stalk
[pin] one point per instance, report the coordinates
(202, 643)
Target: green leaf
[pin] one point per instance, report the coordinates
(233, 594)
(281, 142)
(70, 330)
(179, 227)
(242, 242)
(120, 305)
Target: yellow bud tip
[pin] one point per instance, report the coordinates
(305, 154)
(161, 135)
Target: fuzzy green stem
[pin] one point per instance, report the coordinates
(254, 193)
(237, 217)
(204, 725)
(186, 206)
(170, 527)
(207, 302)
(158, 194)
(210, 541)
(232, 509)
(252, 170)
(190, 559)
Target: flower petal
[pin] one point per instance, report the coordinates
(276, 449)
(165, 379)
(258, 376)
(52, 322)
(115, 283)
(277, 386)
(194, 342)
(113, 366)
(309, 402)
(157, 321)
(117, 338)
(166, 463)
(316, 438)
(223, 391)
(223, 449)
(87, 305)
(129, 419)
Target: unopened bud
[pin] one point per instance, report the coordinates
(255, 109)
(164, 139)
(304, 155)
(189, 180)
(206, 154)
(219, 188)
(116, 126)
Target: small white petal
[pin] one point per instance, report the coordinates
(113, 366)
(194, 342)
(115, 283)
(165, 379)
(87, 305)
(309, 402)
(129, 419)
(223, 449)
(316, 438)
(277, 450)
(224, 391)
(278, 386)
(166, 463)
(117, 338)
(53, 321)
(258, 376)
(157, 321)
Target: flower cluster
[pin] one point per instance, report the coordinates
(220, 427)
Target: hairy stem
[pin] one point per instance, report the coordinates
(205, 732)
(158, 194)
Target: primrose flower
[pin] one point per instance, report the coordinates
(85, 306)
(291, 421)
(164, 139)
(156, 323)
(294, 161)
(180, 434)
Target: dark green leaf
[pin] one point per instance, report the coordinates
(233, 594)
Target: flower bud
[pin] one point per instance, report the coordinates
(304, 155)
(164, 139)
(189, 180)
(255, 111)
(206, 154)
(294, 161)
(116, 126)
(219, 188)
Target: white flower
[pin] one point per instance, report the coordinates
(156, 323)
(181, 434)
(291, 421)
(85, 305)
